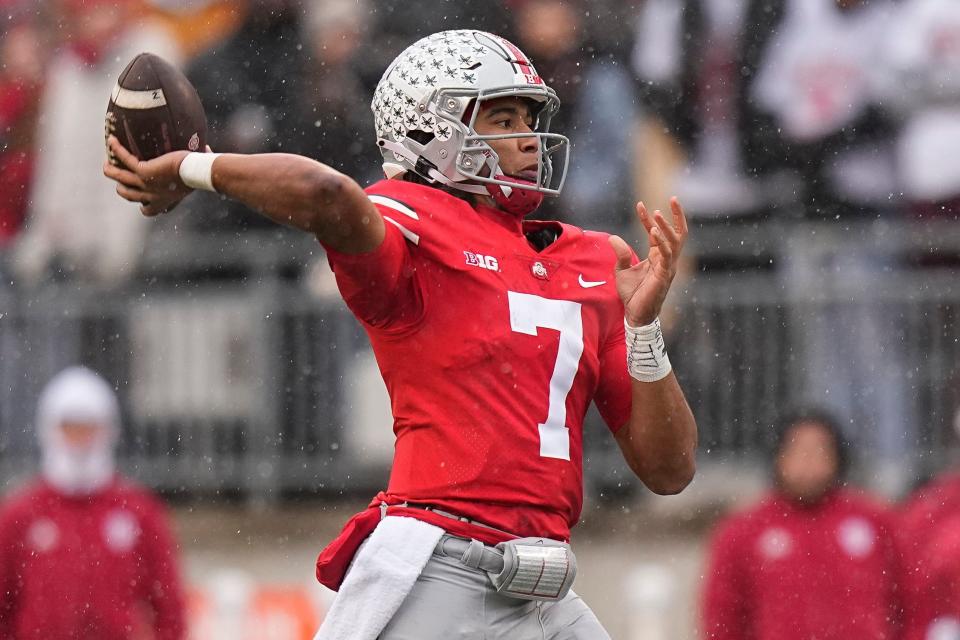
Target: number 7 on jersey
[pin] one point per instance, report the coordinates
(527, 313)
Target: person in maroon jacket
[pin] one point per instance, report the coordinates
(812, 560)
(930, 528)
(85, 553)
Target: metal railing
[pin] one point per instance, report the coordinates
(246, 383)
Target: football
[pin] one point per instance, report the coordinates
(154, 109)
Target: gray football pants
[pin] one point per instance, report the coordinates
(451, 601)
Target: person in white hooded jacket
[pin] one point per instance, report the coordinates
(84, 552)
(75, 224)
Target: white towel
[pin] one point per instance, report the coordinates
(383, 573)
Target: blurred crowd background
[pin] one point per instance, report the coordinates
(813, 144)
(829, 110)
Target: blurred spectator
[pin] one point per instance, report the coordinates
(815, 110)
(551, 32)
(199, 25)
(812, 560)
(75, 219)
(814, 106)
(697, 93)
(598, 105)
(245, 82)
(598, 110)
(930, 524)
(853, 349)
(246, 85)
(330, 119)
(84, 553)
(923, 54)
(21, 70)
(289, 82)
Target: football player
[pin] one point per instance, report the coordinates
(493, 334)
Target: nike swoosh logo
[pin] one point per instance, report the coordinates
(586, 284)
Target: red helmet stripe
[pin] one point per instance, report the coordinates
(524, 67)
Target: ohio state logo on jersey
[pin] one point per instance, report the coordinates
(484, 262)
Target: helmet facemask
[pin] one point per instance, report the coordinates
(435, 136)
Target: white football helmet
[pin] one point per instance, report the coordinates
(426, 105)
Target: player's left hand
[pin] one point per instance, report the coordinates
(644, 286)
(155, 184)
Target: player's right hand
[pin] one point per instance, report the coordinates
(154, 184)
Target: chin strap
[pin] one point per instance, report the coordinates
(518, 202)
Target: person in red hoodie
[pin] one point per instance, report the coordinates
(813, 559)
(22, 55)
(930, 528)
(85, 553)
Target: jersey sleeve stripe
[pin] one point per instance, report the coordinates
(395, 205)
(409, 235)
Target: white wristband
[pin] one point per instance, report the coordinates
(647, 359)
(196, 170)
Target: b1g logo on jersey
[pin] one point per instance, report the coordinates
(484, 262)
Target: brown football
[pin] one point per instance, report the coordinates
(154, 110)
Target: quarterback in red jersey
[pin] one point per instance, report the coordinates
(493, 335)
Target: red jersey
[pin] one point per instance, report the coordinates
(17, 104)
(100, 566)
(491, 351)
(785, 571)
(930, 525)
